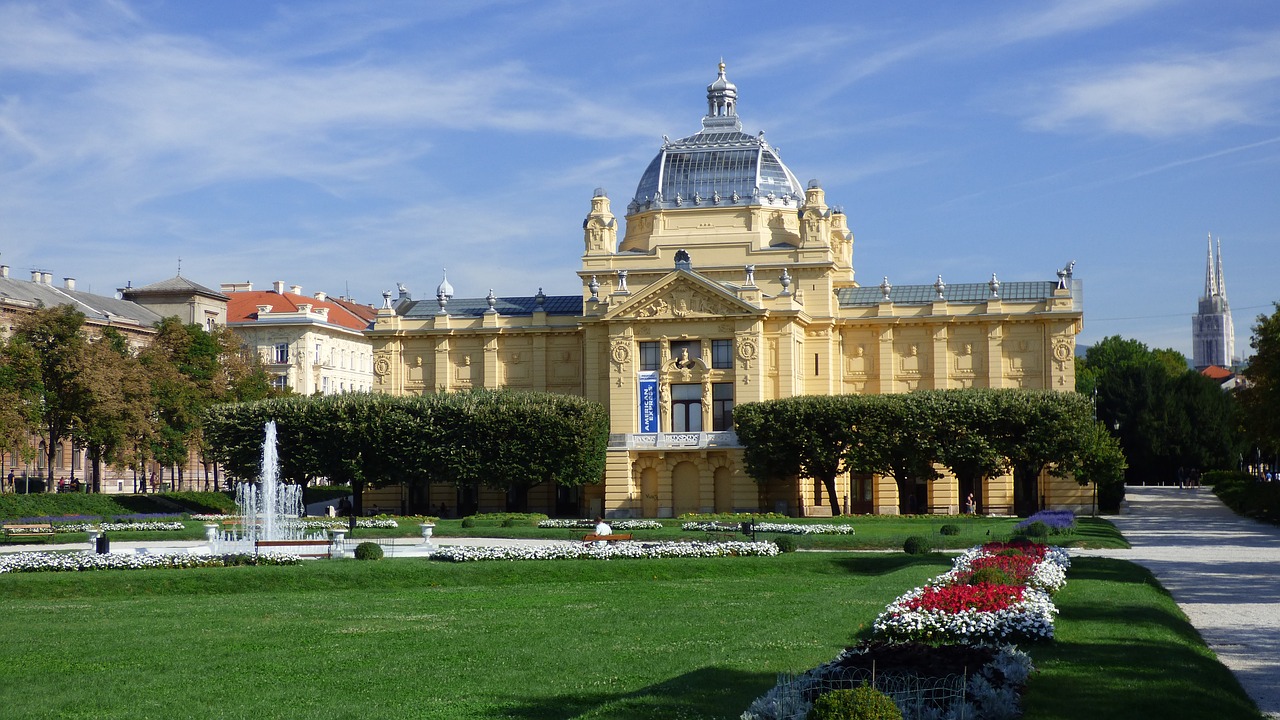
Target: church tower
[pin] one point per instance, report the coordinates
(1213, 334)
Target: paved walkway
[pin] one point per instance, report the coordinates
(1222, 569)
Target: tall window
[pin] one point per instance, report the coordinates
(280, 382)
(722, 406)
(686, 408)
(282, 353)
(722, 354)
(650, 355)
(317, 353)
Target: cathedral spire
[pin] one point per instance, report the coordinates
(1210, 283)
(1222, 281)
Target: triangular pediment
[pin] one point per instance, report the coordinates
(683, 295)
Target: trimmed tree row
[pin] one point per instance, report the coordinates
(503, 439)
(977, 434)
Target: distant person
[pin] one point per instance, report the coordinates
(602, 528)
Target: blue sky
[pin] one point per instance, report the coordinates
(348, 147)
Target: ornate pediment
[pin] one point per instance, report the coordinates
(681, 296)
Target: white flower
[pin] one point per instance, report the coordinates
(461, 553)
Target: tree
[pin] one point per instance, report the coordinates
(961, 422)
(896, 437)
(1260, 398)
(117, 408)
(56, 343)
(808, 436)
(19, 400)
(1039, 430)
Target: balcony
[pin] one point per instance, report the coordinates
(674, 441)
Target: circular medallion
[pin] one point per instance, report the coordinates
(381, 366)
(621, 353)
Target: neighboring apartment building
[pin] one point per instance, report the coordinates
(732, 283)
(309, 344)
(20, 297)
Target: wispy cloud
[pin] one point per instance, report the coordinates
(1189, 93)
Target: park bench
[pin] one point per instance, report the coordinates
(33, 530)
(318, 548)
(592, 537)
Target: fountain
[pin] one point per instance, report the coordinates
(269, 510)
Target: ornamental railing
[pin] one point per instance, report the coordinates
(667, 441)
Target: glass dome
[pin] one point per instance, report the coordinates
(720, 165)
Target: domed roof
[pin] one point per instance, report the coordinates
(719, 165)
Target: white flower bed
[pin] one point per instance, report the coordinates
(461, 553)
(1031, 619)
(797, 529)
(342, 524)
(789, 528)
(118, 526)
(699, 526)
(213, 517)
(590, 524)
(79, 562)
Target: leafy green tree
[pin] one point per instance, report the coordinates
(808, 436)
(896, 438)
(961, 421)
(20, 392)
(1039, 430)
(117, 408)
(56, 342)
(1260, 398)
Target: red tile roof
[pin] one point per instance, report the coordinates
(1217, 372)
(243, 308)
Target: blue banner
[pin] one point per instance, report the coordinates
(648, 401)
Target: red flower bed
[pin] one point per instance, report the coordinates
(1030, 549)
(1019, 567)
(983, 597)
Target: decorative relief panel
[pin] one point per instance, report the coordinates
(684, 302)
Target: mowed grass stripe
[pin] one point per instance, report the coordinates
(572, 639)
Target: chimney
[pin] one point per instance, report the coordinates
(37, 277)
(69, 283)
(295, 289)
(4, 271)
(321, 296)
(278, 286)
(48, 279)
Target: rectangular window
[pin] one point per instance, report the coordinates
(280, 382)
(282, 353)
(686, 408)
(650, 355)
(722, 354)
(722, 406)
(317, 353)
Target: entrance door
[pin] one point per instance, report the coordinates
(686, 489)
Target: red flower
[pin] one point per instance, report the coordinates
(983, 597)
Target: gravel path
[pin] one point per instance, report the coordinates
(1222, 569)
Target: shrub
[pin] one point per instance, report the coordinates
(863, 703)
(991, 575)
(468, 522)
(1037, 529)
(511, 522)
(368, 551)
(785, 543)
(950, 530)
(916, 545)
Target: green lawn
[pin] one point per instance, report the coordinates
(562, 639)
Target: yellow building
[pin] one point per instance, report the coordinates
(732, 283)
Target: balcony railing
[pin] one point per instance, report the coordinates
(674, 441)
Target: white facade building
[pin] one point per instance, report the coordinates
(309, 344)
